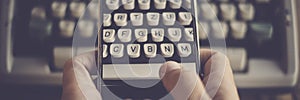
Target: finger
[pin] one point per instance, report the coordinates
(77, 82)
(88, 60)
(218, 76)
(181, 83)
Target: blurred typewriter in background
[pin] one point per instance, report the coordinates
(45, 28)
(261, 38)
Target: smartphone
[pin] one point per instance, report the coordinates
(136, 37)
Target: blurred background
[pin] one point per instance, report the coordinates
(261, 42)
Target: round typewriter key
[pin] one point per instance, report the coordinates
(152, 18)
(136, 19)
(38, 12)
(77, 9)
(59, 9)
(185, 18)
(175, 4)
(160, 4)
(144, 4)
(86, 28)
(128, 4)
(120, 19)
(208, 10)
(219, 29)
(238, 29)
(112, 4)
(66, 28)
(169, 18)
(228, 11)
(247, 11)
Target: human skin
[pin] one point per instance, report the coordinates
(80, 86)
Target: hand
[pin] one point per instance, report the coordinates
(188, 85)
(80, 86)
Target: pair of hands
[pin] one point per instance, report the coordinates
(217, 83)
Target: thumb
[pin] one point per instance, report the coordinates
(77, 82)
(181, 83)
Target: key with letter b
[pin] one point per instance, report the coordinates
(150, 50)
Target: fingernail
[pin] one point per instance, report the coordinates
(167, 67)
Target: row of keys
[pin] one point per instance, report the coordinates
(169, 18)
(59, 10)
(238, 29)
(237, 56)
(141, 35)
(220, 29)
(150, 50)
(85, 28)
(227, 10)
(65, 27)
(145, 4)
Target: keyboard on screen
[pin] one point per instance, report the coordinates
(147, 33)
